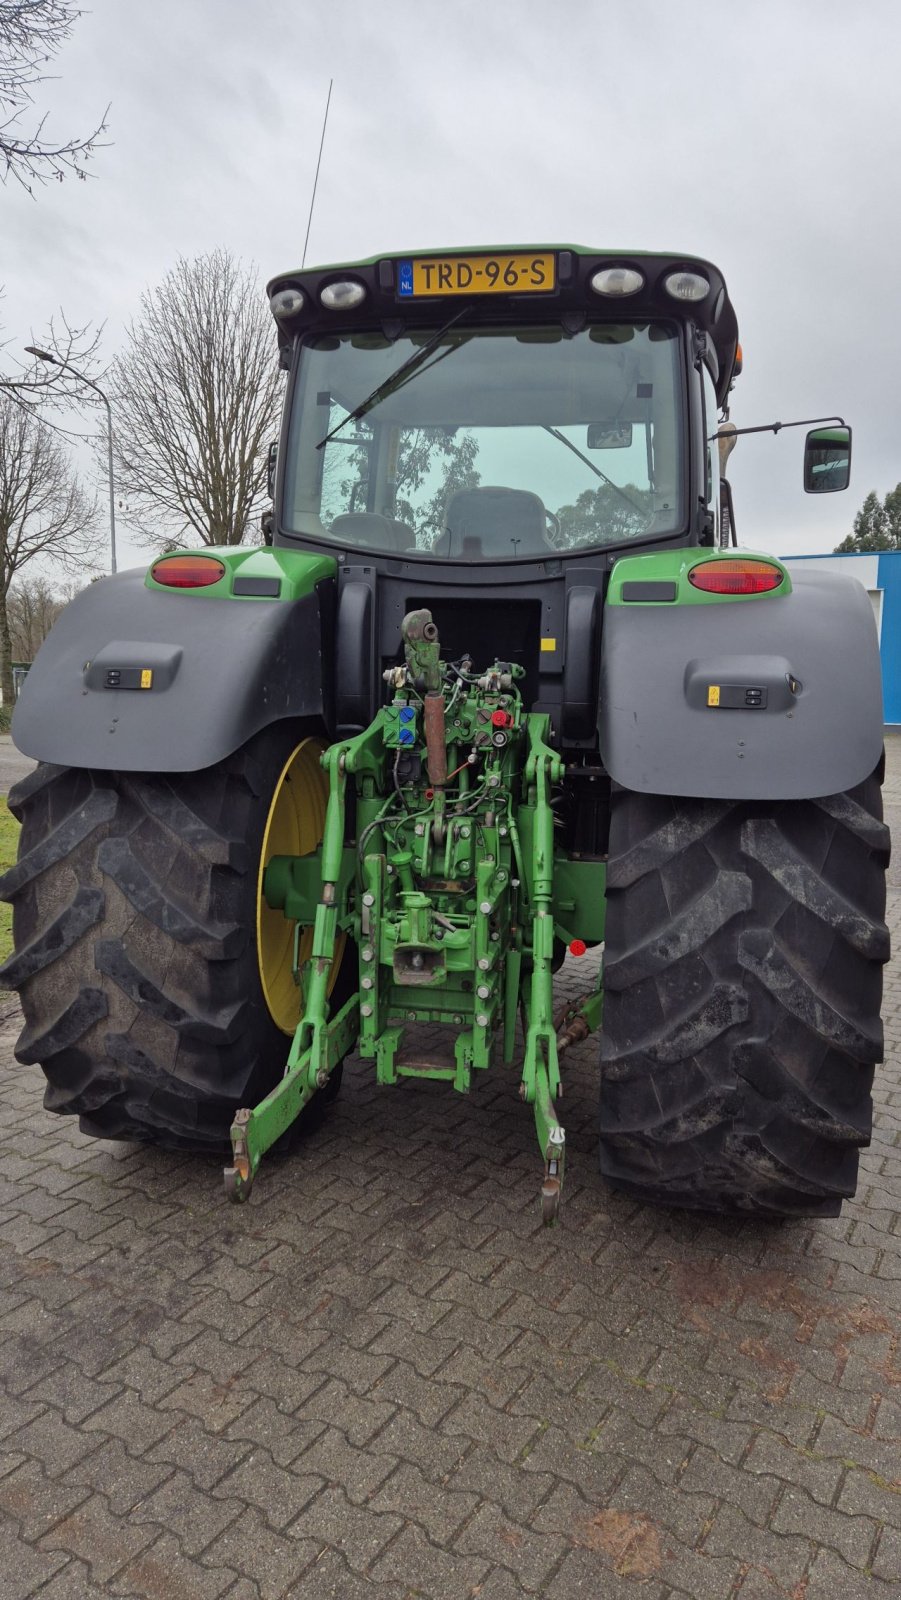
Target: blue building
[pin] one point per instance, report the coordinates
(880, 574)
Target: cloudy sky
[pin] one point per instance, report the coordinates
(765, 136)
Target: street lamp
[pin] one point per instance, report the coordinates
(56, 361)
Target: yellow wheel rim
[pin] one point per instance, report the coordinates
(293, 828)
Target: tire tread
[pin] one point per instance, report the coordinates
(738, 1050)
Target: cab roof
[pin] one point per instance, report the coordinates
(572, 300)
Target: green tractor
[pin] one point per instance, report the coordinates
(498, 685)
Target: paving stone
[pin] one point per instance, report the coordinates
(490, 1339)
(73, 1394)
(35, 1502)
(426, 1351)
(213, 1404)
(532, 1557)
(17, 1413)
(73, 1582)
(26, 1364)
(224, 1360)
(553, 1452)
(358, 1533)
(517, 1489)
(358, 1417)
(205, 1456)
(52, 1442)
(330, 1578)
(360, 1370)
(270, 1560)
(283, 1433)
(440, 1574)
(104, 1542)
(830, 1578)
(279, 1494)
(466, 1370)
(755, 1491)
(863, 1494)
(809, 1468)
(129, 1419)
(165, 1570)
(429, 1399)
(185, 1511)
(23, 1567)
(852, 1536)
(122, 1479)
(438, 1510)
(404, 1438)
(144, 1372)
(333, 1459)
(509, 1437)
(731, 1534)
(886, 1562)
(584, 1573)
(229, 1320)
(420, 1389)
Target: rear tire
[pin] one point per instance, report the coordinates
(134, 922)
(743, 980)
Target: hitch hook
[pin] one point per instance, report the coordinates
(238, 1178)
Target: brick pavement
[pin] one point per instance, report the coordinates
(382, 1379)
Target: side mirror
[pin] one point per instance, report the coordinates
(266, 527)
(609, 436)
(271, 459)
(827, 460)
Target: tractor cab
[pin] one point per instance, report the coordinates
(502, 408)
(492, 431)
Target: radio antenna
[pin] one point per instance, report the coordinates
(316, 179)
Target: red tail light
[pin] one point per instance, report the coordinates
(187, 572)
(736, 576)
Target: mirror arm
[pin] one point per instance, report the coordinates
(776, 427)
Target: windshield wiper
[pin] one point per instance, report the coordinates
(556, 434)
(388, 385)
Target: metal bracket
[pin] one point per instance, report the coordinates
(254, 1132)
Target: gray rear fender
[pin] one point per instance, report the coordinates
(800, 694)
(221, 670)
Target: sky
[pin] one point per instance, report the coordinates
(764, 136)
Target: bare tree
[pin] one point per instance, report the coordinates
(31, 33)
(33, 605)
(57, 385)
(195, 399)
(43, 512)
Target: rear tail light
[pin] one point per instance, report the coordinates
(736, 576)
(187, 572)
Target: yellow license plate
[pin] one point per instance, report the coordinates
(441, 275)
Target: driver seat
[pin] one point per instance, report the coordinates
(494, 523)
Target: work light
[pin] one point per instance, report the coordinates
(343, 296)
(617, 281)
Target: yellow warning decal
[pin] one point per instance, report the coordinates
(146, 677)
(548, 645)
(713, 694)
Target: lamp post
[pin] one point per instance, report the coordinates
(55, 361)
